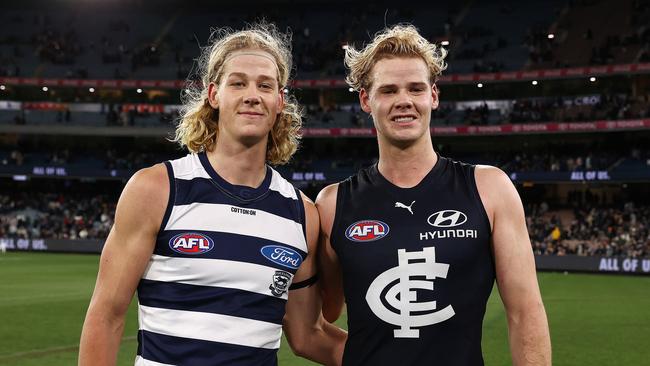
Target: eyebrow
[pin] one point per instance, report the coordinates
(244, 75)
(411, 84)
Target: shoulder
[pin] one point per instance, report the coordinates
(326, 205)
(311, 212)
(496, 190)
(149, 182)
(491, 176)
(326, 199)
(146, 194)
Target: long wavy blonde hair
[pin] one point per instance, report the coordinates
(402, 40)
(198, 127)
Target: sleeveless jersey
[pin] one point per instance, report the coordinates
(417, 267)
(215, 289)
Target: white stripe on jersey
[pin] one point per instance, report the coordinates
(212, 272)
(139, 361)
(188, 168)
(282, 186)
(210, 327)
(203, 217)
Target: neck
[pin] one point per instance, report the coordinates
(238, 164)
(405, 167)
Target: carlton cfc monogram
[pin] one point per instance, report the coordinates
(407, 303)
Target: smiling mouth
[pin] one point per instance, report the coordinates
(403, 119)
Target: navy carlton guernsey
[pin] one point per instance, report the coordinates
(417, 267)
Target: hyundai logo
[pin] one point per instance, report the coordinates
(447, 218)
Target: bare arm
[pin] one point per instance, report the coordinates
(528, 331)
(124, 258)
(331, 279)
(308, 333)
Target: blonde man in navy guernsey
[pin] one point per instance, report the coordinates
(414, 243)
(220, 248)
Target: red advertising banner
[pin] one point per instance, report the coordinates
(528, 128)
(95, 83)
(45, 106)
(144, 108)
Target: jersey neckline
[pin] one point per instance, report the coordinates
(243, 193)
(432, 176)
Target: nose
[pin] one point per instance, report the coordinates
(252, 100)
(252, 97)
(403, 100)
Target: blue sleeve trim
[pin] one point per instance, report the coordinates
(172, 196)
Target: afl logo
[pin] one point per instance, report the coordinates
(191, 243)
(282, 255)
(447, 218)
(367, 230)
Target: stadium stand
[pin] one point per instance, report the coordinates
(556, 93)
(581, 108)
(557, 97)
(594, 230)
(56, 216)
(162, 44)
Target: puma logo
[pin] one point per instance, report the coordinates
(401, 205)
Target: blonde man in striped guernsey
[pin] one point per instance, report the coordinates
(218, 245)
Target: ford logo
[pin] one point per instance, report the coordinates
(282, 255)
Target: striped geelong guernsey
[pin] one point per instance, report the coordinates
(215, 289)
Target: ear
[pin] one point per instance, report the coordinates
(364, 100)
(281, 100)
(212, 95)
(434, 97)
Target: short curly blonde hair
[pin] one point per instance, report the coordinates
(402, 40)
(198, 127)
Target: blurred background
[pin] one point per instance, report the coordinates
(556, 93)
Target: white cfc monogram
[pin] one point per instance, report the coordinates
(407, 302)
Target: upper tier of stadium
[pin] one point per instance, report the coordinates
(124, 39)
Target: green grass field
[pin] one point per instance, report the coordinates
(594, 319)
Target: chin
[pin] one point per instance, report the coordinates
(253, 135)
(405, 137)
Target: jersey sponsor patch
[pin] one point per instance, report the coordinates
(282, 255)
(447, 218)
(191, 243)
(367, 230)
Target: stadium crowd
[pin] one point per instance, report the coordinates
(55, 40)
(554, 162)
(588, 230)
(110, 158)
(530, 110)
(584, 230)
(552, 159)
(608, 107)
(56, 216)
(483, 47)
